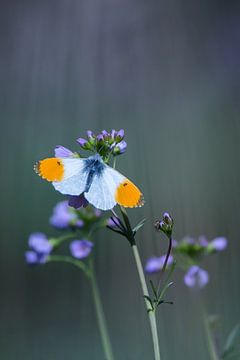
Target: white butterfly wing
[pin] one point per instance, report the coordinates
(103, 189)
(75, 178)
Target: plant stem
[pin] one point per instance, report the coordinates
(70, 260)
(211, 344)
(165, 262)
(151, 313)
(90, 273)
(100, 315)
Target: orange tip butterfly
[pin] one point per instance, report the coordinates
(101, 185)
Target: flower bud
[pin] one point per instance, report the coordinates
(91, 137)
(100, 139)
(120, 148)
(119, 135)
(165, 225)
(167, 218)
(83, 143)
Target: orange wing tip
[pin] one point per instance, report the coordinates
(36, 168)
(51, 169)
(141, 201)
(128, 195)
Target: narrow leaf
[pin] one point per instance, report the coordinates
(231, 340)
(154, 290)
(139, 225)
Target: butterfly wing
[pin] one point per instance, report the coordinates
(66, 174)
(111, 188)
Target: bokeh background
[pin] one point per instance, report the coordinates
(168, 73)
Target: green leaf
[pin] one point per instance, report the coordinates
(167, 285)
(139, 225)
(232, 356)
(154, 290)
(231, 340)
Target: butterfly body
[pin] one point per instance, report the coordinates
(101, 185)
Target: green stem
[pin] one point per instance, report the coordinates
(70, 260)
(151, 313)
(90, 273)
(209, 336)
(100, 315)
(58, 241)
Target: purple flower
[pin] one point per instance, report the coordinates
(189, 240)
(105, 134)
(219, 243)
(100, 138)
(113, 134)
(90, 134)
(120, 135)
(63, 216)
(82, 142)
(41, 248)
(39, 243)
(202, 240)
(77, 201)
(120, 148)
(196, 277)
(155, 264)
(31, 257)
(80, 249)
(62, 152)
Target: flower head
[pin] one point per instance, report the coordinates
(62, 152)
(165, 225)
(63, 216)
(105, 143)
(40, 249)
(196, 277)
(39, 243)
(80, 249)
(155, 264)
(218, 244)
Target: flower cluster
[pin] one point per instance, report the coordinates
(40, 248)
(198, 248)
(105, 143)
(189, 253)
(65, 217)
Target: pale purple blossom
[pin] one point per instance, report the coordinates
(155, 264)
(203, 241)
(121, 147)
(196, 277)
(40, 249)
(62, 152)
(80, 249)
(63, 216)
(219, 243)
(39, 243)
(82, 142)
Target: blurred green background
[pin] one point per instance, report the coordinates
(168, 73)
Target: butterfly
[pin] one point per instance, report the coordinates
(102, 186)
